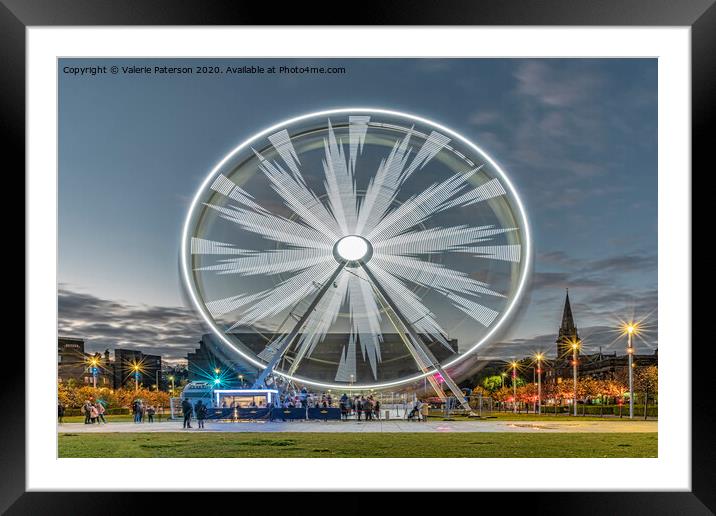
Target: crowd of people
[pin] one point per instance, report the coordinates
(144, 413)
(361, 406)
(93, 412)
(305, 399)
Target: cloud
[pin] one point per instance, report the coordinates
(105, 324)
(556, 86)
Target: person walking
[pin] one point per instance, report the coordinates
(100, 412)
(200, 413)
(60, 412)
(186, 410)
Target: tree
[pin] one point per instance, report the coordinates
(646, 380)
(493, 383)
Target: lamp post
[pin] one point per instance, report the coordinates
(514, 387)
(171, 379)
(93, 369)
(539, 358)
(135, 368)
(241, 379)
(630, 329)
(575, 345)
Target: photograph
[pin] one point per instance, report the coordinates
(358, 257)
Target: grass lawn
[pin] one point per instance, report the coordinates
(290, 444)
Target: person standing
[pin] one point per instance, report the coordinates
(136, 411)
(60, 412)
(94, 415)
(359, 407)
(368, 408)
(86, 411)
(150, 413)
(424, 411)
(200, 413)
(377, 409)
(186, 410)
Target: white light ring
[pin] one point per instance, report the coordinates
(186, 247)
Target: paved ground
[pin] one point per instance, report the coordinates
(374, 426)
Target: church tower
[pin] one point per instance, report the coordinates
(567, 332)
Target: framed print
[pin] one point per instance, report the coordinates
(406, 256)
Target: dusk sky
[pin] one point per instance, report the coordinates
(577, 137)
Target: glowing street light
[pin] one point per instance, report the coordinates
(93, 366)
(136, 368)
(539, 357)
(241, 379)
(514, 387)
(631, 329)
(575, 348)
(171, 378)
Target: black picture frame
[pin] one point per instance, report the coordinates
(700, 15)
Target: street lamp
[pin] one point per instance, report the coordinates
(514, 387)
(171, 378)
(575, 347)
(241, 379)
(539, 357)
(93, 362)
(631, 329)
(135, 368)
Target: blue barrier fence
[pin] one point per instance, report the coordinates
(281, 414)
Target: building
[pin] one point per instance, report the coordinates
(595, 365)
(610, 366)
(568, 334)
(132, 366)
(76, 366)
(233, 370)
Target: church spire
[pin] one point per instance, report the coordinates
(567, 319)
(567, 331)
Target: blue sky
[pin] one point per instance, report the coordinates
(578, 138)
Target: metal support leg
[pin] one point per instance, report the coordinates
(261, 380)
(417, 341)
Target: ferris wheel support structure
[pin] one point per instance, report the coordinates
(261, 380)
(418, 342)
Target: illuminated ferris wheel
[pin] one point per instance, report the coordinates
(358, 248)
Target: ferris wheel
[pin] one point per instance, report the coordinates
(358, 248)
